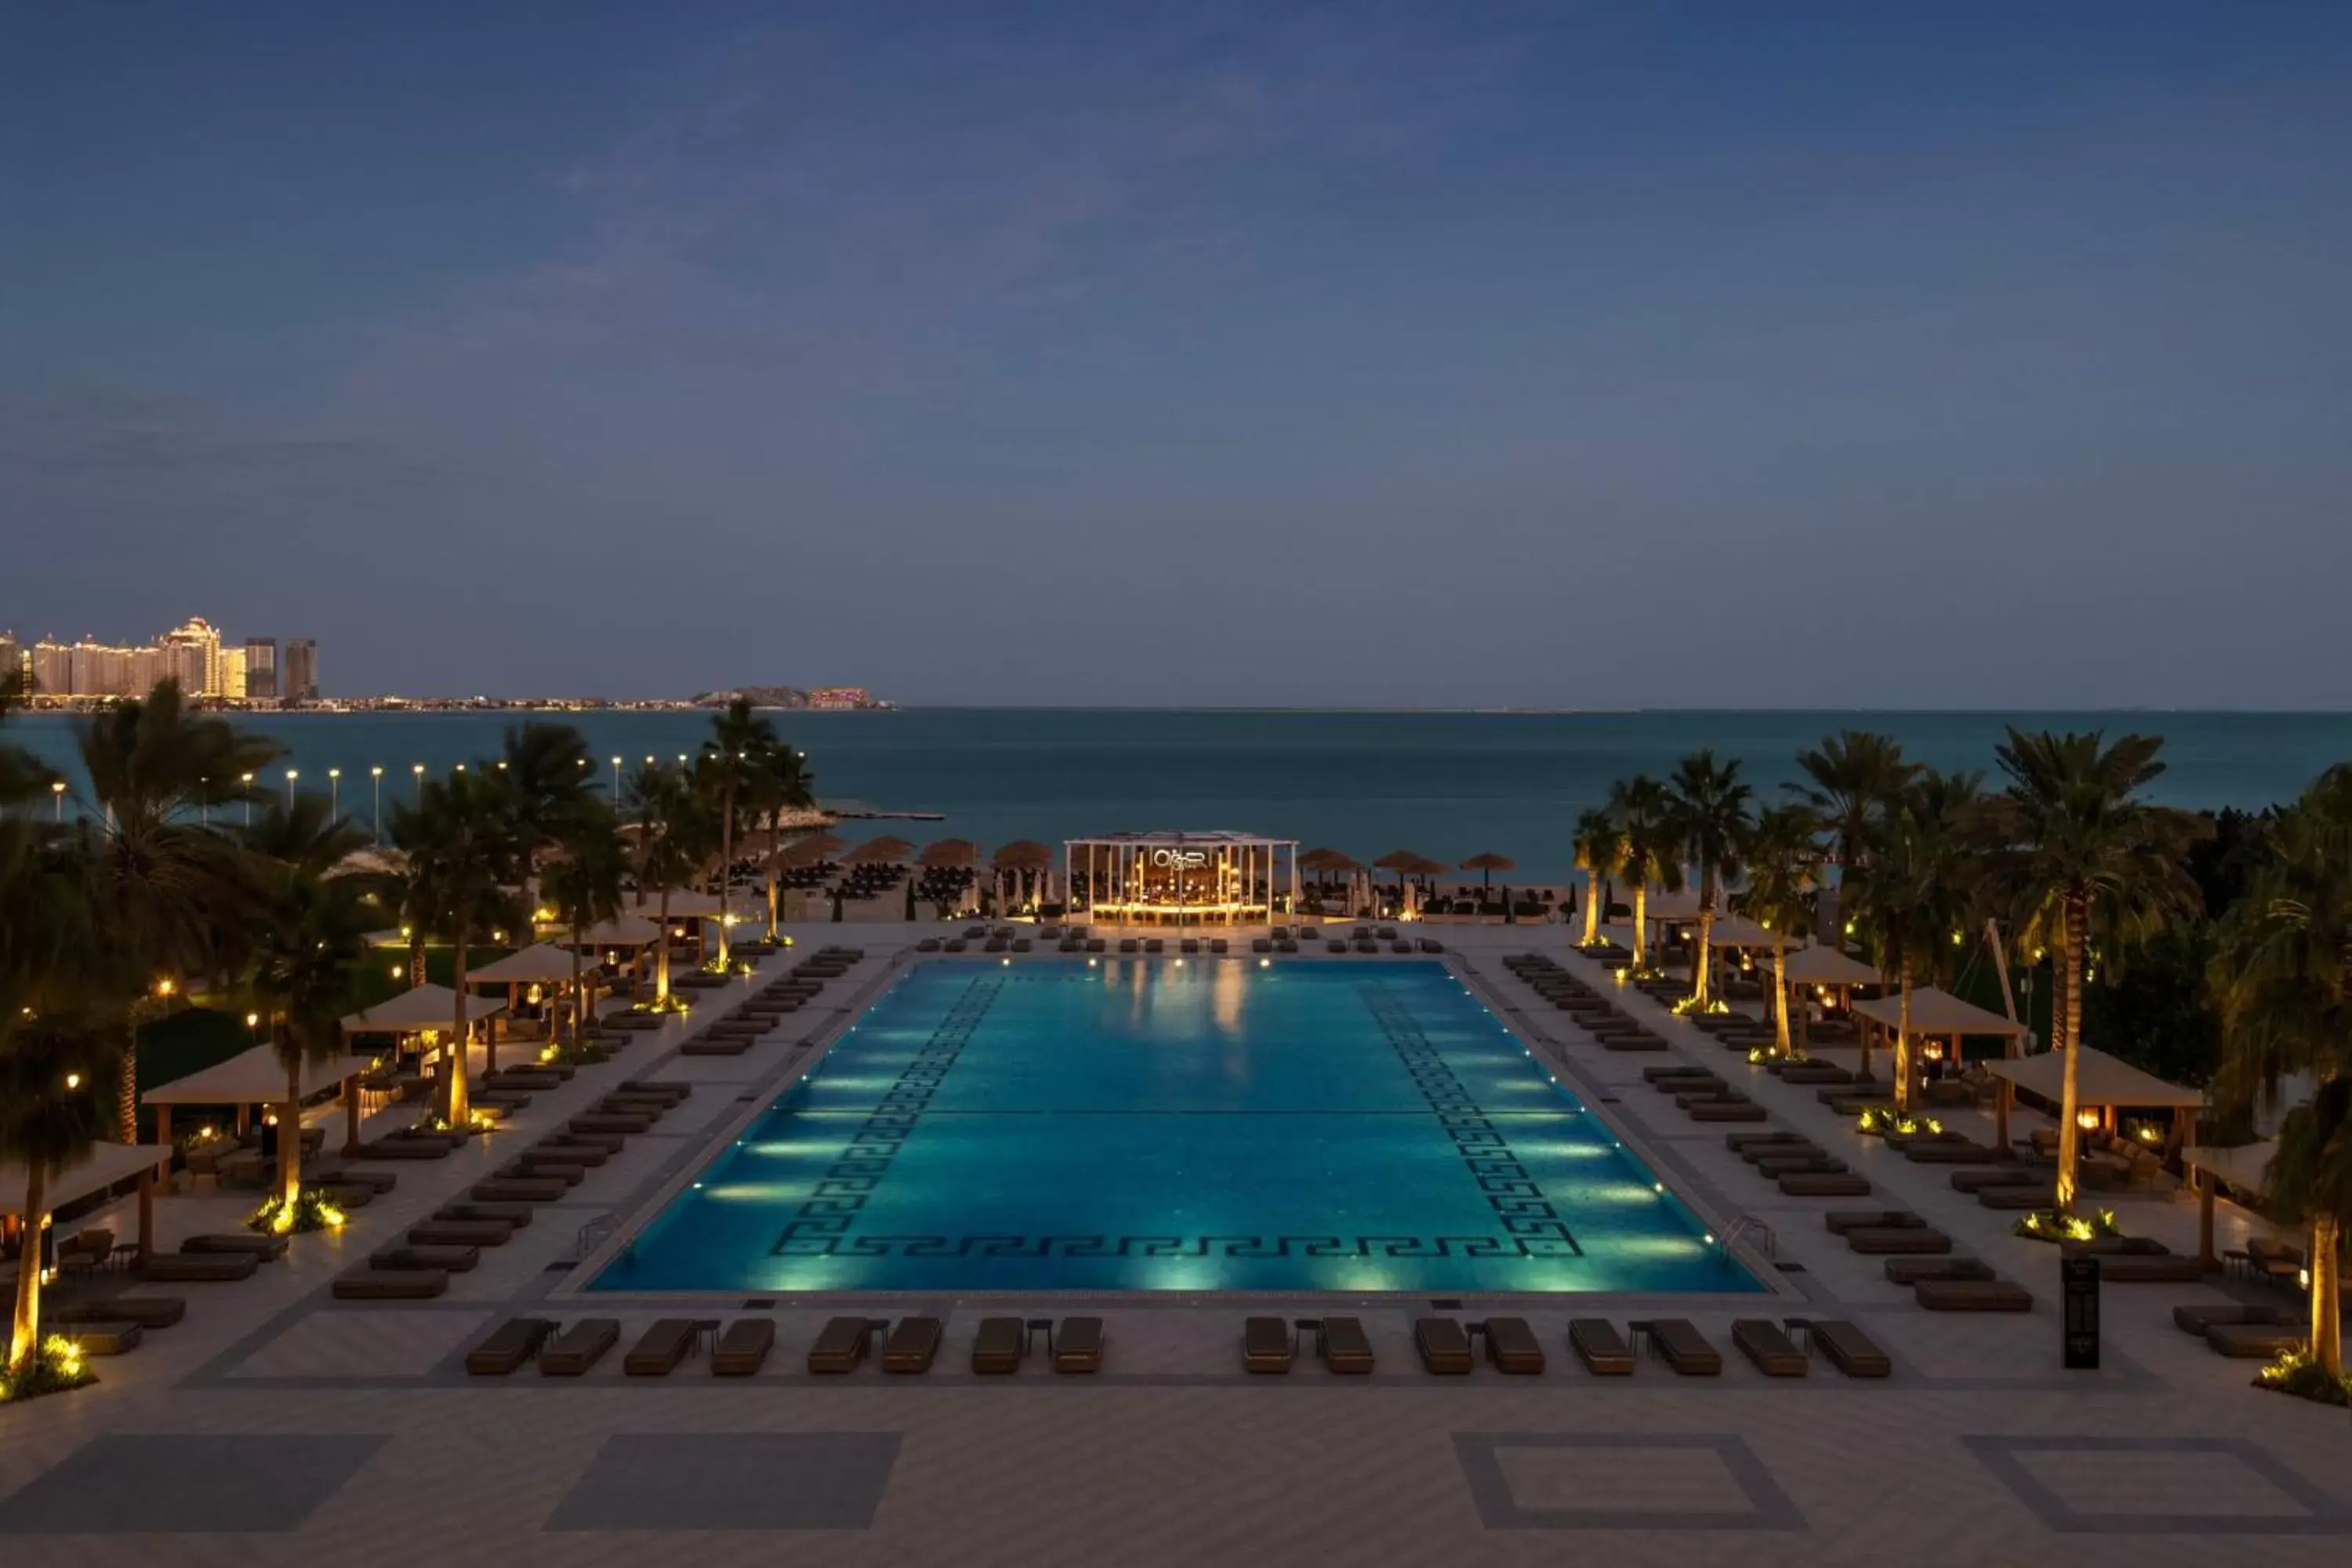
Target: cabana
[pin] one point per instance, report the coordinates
(605, 943)
(1935, 1015)
(257, 1078)
(1209, 879)
(2102, 1083)
(544, 966)
(106, 1164)
(1831, 973)
(2242, 1167)
(419, 1010)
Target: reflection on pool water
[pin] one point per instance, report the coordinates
(1137, 1126)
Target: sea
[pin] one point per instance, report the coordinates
(1445, 785)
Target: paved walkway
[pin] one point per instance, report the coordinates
(276, 1425)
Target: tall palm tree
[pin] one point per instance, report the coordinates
(732, 757)
(2073, 847)
(172, 890)
(313, 933)
(1641, 805)
(1710, 813)
(1601, 855)
(1784, 863)
(546, 768)
(2281, 980)
(1918, 890)
(674, 832)
(1849, 779)
(464, 857)
(780, 785)
(57, 1097)
(584, 888)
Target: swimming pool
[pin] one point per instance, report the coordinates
(1155, 1125)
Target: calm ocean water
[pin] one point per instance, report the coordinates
(1445, 785)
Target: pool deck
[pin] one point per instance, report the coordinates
(278, 1425)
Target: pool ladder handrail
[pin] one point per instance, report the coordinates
(1756, 1232)
(593, 1234)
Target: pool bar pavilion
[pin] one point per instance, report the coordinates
(1181, 878)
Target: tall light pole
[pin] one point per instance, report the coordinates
(376, 773)
(616, 784)
(290, 776)
(58, 793)
(334, 793)
(247, 779)
(416, 789)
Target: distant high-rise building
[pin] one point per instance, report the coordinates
(12, 656)
(229, 671)
(299, 682)
(201, 676)
(261, 669)
(52, 669)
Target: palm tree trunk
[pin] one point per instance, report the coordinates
(725, 866)
(2074, 937)
(126, 1098)
(1702, 968)
(1641, 919)
(417, 959)
(2326, 1295)
(661, 951)
(290, 1141)
(1781, 993)
(455, 1107)
(1592, 908)
(1903, 1044)
(579, 987)
(25, 1328)
(775, 845)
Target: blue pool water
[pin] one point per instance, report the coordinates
(1155, 1126)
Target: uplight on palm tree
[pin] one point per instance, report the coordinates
(313, 935)
(585, 888)
(1918, 887)
(1784, 859)
(57, 1097)
(1600, 855)
(464, 857)
(732, 757)
(1708, 814)
(1849, 780)
(1641, 805)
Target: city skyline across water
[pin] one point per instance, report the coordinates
(1449, 784)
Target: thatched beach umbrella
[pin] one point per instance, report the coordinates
(1021, 854)
(884, 851)
(948, 854)
(1487, 865)
(1323, 861)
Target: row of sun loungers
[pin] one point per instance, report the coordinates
(115, 1326)
(1597, 1015)
(766, 1008)
(740, 1348)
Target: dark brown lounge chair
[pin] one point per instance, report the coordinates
(198, 1268)
(1602, 1349)
(1972, 1296)
(1343, 1346)
(1001, 1346)
(660, 1348)
(912, 1345)
(841, 1346)
(449, 1260)
(1823, 1185)
(1844, 1222)
(1848, 1350)
(518, 1190)
(95, 1336)
(1911, 1271)
(461, 1232)
(1764, 1342)
(147, 1311)
(743, 1346)
(2202, 1320)
(1682, 1347)
(1267, 1345)
(268, 1248)
(1444, 1347)
(1077, 1345)
(390, 1284)
(2253, 1340)
(1512, 1347)
(1913, 1238)
(508, 1347)
(572, 1353)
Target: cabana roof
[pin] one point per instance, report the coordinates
(533, 965)
(255, 1078)
(623, 930)
(2241, 1167)
(1738, 931)
(1830, 966)
(418, 1007)
(2100, 1079)
(1938, 1012)
(107, 1164)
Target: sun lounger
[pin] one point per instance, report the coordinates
(841, 1346)
(1342, 1344)
(912, 1345)
(449, 1260)
(1972, 1296)
(1815, 1184)
(609, 1122)
(2200, 1320)
(198, 1268)
(1001, 1346)
(1602, 1349)
(2016, 1199)
(518, 1190)
(1681, 1346)
(743, 1346)
(379, 1182)
(2149, 1269)
(515, 1215)
(1444, 1348)
(2010, 1175)
(391, 1284)
(1726, 1110)
(1909, 1238)
(98, 1337)
(660, 1348)
(1512, 1346)
(704, 1046)
(1765, 1344)
(2260, 1342)
(1267, 1345)
(1950, 1153)
(1911, 1271)
(1335, 946)
(1077, 1345)
(531, 1165)
(1840, 1221)
(1848, 1350)
(508, 1347)
(572, 1353)
(268, 1248)
(147, 1311)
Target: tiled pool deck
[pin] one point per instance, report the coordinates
(276, 1425)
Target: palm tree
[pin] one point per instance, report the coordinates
(1917, 891)
(1708, 810)
(1849, 779)
(671, 848)
(1652, 854)
(2282, 979)
(584, 886)
(1784, 863)
(782, 782)
(57, 1094)
(171, 891)
(732, 757)
(313, 935)
(1601, 855)
(546, 768)
(2074, 846)
(463, 856)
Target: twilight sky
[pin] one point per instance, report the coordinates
(1789, 355)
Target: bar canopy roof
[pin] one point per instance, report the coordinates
(252, 1078)
(2100, 1079)
(418, 1007)
(1828, 966)
(1938, 1012)
(107, 1164)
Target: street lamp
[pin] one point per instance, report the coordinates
(247, 779)
(334, 793)
(616, 784)
(416, 792)
(57, 793)
(290, 776)
(377, 775)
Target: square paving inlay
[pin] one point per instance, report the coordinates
(731, 1481)
(217, 1482)
(2193, 1486)
(1621, 1480)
